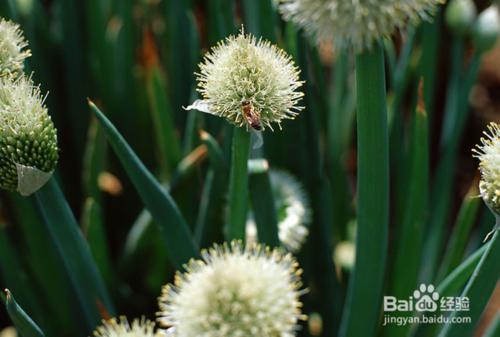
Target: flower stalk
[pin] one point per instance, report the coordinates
(365, 288)
(238, 185)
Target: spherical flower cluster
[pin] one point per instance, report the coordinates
(249, 82)
(234, 292)
(122, 328)
(489, 164)
(356, 23)
(28, 140)
(293, 210)
(13, 50)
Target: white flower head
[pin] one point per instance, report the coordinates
(250, 82)
(234, 292)
(355, 23)
(489, 165)
(122, 328)
(292, 208)
(28, 138)
(13, 50)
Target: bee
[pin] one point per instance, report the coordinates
(252, 117)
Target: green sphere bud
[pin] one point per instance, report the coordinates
(13, 50)
(460, 15)
(486, 29)
(28, 139)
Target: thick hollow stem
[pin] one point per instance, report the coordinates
(365, 289)
(238, 185)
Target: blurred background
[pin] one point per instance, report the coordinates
(136, 60)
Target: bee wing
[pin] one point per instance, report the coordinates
(257, 139)
(200, 105)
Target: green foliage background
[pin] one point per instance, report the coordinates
(135, 60)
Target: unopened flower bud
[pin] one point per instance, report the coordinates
(28, 140)
(486, 29)
(460, 15)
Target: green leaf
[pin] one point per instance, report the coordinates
(94, 230)
(23, 323)
(478, 290)
(455, 280)
(365, 287)
(167, 143)
(179, 241)
(93, 160)
(263, 207)
(461, 231)
(340, 122)
(457, 108)
(210, 213)
(46, 265)
(409, 241)
(74, 252)
(15, 277)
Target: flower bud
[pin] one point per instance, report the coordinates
(233, 292)
(460, 15)
(13, 50)
(121, 328)
(357, 23)
(28, 140)
(249, 82)
(486, 29)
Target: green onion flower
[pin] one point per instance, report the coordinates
(28, 140)
(355, 23)
(13, 50)
(234, 292)
(122, 328)
(293, 211)
(249, 82)
(488, 154)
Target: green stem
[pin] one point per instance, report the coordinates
(238, 185)
(264, 210)
(365, 288)
(478, 290)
